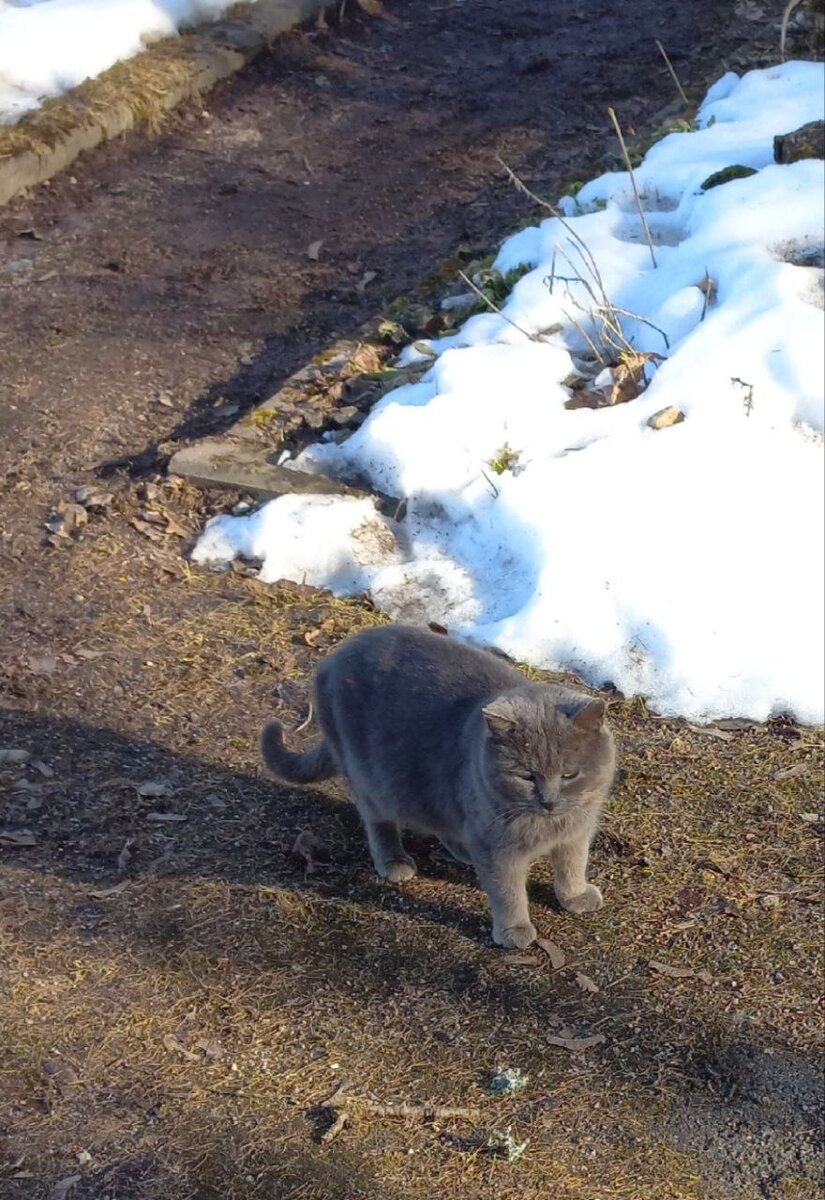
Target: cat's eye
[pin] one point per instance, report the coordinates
(567, 775)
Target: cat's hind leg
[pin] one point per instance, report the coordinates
(388, 854)
(456, 851)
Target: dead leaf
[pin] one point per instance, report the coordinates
(586, 398)
(629, 380)
(91, 497)
(314, 250)
(722, 735)
(159, 817)
(12, 756)
(146, 529)
(556, 955)
(61, 1076)
(311, 849)
(174, 527)
(42, 664)
(171, 1043)
(42, 768)
(436, 628)
(748, 10)
(154, 789)
(792, 772)
(672, 972)
(66, 519)
(61, 1190)
(125, 855)
(312, 635)
(704, 975)
(17, 837)
(211, 1048)
(707, 864)
(520, 960)
(586, 983)
(576, 1044)
(83, 652)
(104, 893)
(364, 281)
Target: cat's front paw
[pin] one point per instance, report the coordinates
(399, 870)
(515, 937)
(587, 901)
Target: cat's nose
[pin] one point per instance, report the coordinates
(548, 795)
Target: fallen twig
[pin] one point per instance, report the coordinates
(673, 74)
(612, 114)
(424, 1112)
(341, 1119)
(491, 304)
(786, 16)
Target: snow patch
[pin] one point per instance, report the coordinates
(50, 46)
(684, 563)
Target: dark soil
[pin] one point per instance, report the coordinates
(172, 1038)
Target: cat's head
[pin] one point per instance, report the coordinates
(547, 749)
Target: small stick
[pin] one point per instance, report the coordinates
(491, 485)
(427, 1112)
(305, 722)
(612, 114)
(786, 16)
(674, 76)
(495, 308)
(626, 312)
(522, 187)
(341, 1119)
(600, 359)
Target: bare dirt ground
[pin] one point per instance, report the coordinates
(178, 994)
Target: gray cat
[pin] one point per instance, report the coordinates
(445, 739)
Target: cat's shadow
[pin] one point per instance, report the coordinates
(238, 828)
(349, 861)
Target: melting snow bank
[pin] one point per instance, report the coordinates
(50, 46)
(683, 563)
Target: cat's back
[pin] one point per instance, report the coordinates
(405, 661)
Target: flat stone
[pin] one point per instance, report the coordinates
(666, 417)
(219, 462)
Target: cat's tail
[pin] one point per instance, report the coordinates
(315, 764)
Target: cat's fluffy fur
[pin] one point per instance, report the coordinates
(442, 738)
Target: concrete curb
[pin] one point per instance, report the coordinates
(245, 457)
(211, 53)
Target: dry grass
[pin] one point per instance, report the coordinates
(210, 1004)
(142, 84)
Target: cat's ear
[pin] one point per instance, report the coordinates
(500, 717)
(590, 717)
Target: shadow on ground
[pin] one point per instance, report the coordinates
(215, 914)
